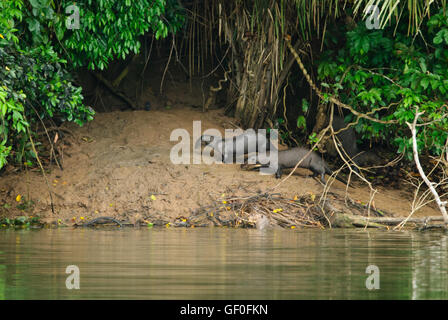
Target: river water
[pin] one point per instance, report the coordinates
(219, 263)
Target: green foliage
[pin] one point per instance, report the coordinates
(312, 139)
(37, 77)
(108, 29)
(301, 121)
(34, 84)
(20, 222)
(377, 68)
(94, 32)
(35, 35)
(4, 153)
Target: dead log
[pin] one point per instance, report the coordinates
(343, 220)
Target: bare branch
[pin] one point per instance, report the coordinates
(440, 204)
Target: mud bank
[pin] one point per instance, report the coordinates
(118, 166)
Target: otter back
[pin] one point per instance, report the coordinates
(240, 145)
(310, 160)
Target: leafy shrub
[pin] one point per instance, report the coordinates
(380, 68)
(35, 81)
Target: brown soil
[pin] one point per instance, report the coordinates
(120, 159)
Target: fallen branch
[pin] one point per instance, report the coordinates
(343, 220)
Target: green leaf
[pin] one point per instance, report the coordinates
(424, 83)
(301, 122)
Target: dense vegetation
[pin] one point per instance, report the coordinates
(43, 41)
(393, 69)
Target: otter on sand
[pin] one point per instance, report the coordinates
(288, 159)
(247, 142)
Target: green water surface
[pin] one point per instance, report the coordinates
(218, 263)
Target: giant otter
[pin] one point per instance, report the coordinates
(289, 158)
(247, 142)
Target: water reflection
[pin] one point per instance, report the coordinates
(222, 264)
